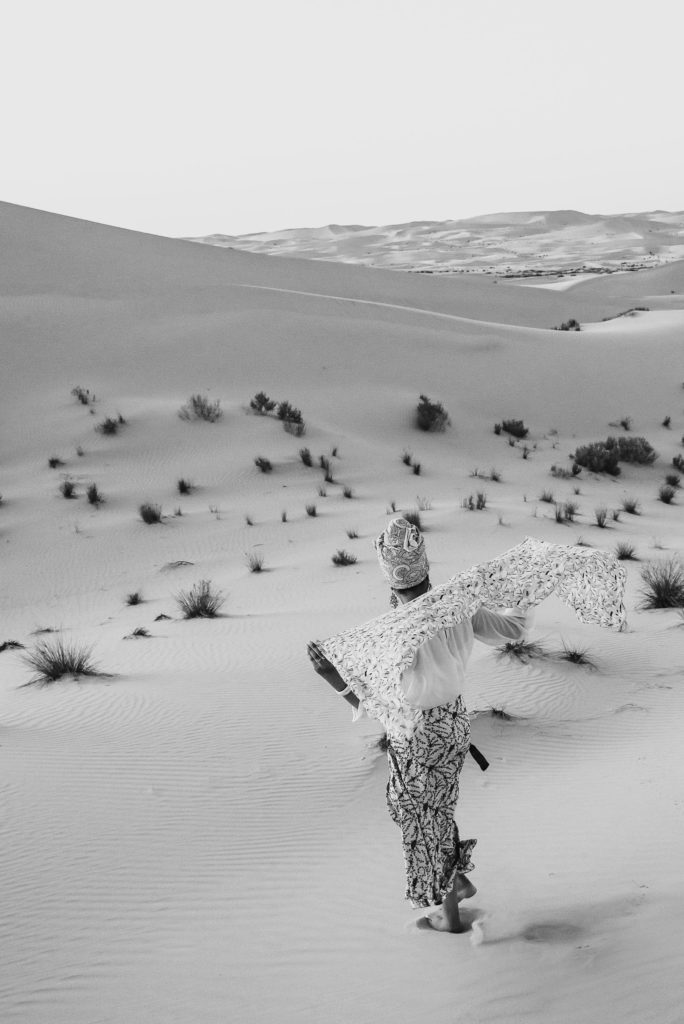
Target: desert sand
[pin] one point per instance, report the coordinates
(200, 835)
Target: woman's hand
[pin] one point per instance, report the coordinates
(319, 661)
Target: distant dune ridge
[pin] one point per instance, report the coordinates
(199, 833)
(507, 244)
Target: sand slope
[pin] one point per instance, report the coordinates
(201, 835)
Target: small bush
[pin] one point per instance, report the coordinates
(55, 658)
(431, 416)
(525, 452)
(663, 584)
(570, 510)
(55, 463)
(521, 650)
(248, 521)
(200, 407)
(414, 518)
(283, 516)
(633, 449)
(329, 478)
(68, 488)
(348, 492)
(255, 561)
(79, 451)
(495, 475)
(108, 426)
(83, 395)
(262, 404)
(625, 552)
(324, 463)
(150, 513)
(626, 423)
(601, 515)
(569, 325)
(407, 457)
(497, 428)
(678, 463)
(582, 543)
(139, 633)
(95, 496)
(200, 602)
(416, 468)
(334, 453)
(481, 500)
(672, 479)
(615, 515)
(305, 456)
(311, 511)
(288, 413)
(343, 558)
(566, 474)
(352, 534)
(598, 458)
(546, 496)
(631, 506)
(134, 598)
(322, 492)
(666, 422)
(185, 486)
(516, 428)
(666, 494)
(558, 512)
(577, 656)
(468, 503)
(263, 464)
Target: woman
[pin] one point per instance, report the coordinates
(425, 762)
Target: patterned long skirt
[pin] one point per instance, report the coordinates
(422, 793)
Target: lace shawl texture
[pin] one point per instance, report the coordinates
(371, 657)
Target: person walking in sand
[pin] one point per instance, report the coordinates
(425, 763)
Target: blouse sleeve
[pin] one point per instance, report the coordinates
(495, 628)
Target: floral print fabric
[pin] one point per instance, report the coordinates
(422, 793)
(371, 657)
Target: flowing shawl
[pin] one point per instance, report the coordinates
(371, 657)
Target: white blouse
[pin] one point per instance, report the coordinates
(437, 673)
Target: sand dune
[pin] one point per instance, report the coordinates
(201, 834)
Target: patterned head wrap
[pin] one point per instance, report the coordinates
(401, 553)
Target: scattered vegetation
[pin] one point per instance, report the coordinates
(108, 426)
(625, 551)
(343, 558)
(666, 494)
(348, 492)
(478, 503)
(577, 656)
(678, 463)
(305, 456)
(185, 486)
(495, 475)
(263, 464)
(663, 584)
(601, 515)
(569, 325)
(201, 601)
(288, 413)
(95, 496)
(68, 488)
(633, 449)
(431, 416)
(283, 516)
(672, 479)
(54, 462)
(626, 423)
(200, 407)
(667, 422)
(546, 496)
(255, 561)
(134, 598)
(521, 650)
(566, 474)
(497, 428)
(262, 404)
(598, 458)
(322, 492)
(11, 645)
(352, 534)
(416, 468)
(407, 457)
(139, 633)
(150, 513)
(311, 511)
(631, 506)
(55, 658)
(83, 395)
(249, 521)
(570, 510)
(516, 428)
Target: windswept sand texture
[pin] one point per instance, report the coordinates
(201, 836)
(538, 243)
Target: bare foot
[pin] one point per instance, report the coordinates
(439, 921)
(464, 887)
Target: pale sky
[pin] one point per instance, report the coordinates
(186, 118)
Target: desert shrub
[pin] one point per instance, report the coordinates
(139, 633)
(633, 449)
(333, 452)
(185, 486)
(497, 428)
(200, 407)
(666, 494)
(95, 496)
(288, 413)
(516, 428)
(558, 512)
(570, 510)
(672, 479)
(601, 515)
(262, 404)
(56, 657)
(255, 561)
(663, 584)
(566, 474)
(150, 513)
(406, 457)
(329, 478)
(414, 518)
(348, 492)
(431, 415)
(68, 488)
(615, 515)
(546, 496)
(200, 602)
(678, 463)
(582, 543)
(108, 426)
(569, 325)
(55, 463)
(248, 520)
(666, 422)
(521, 650)
(577, 656)
(631, 506)
(305, 456)
(598, 458)
(11, 645)
(322, 492)
(79, 451)
(296, 428)
(626, 423)
(625, 552)
(283, 516)
(481, 500)
(83, 395)
(495, 475)
(416, 468)
(263, 464)
(352, 534)
(311, 511)
(343, 558)
(324, 462)
(134, 598)
(525, 452)
(468, 503)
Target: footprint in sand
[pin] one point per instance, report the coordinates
(551, 931)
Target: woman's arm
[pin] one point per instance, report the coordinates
(495, 628)
(328, 671)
